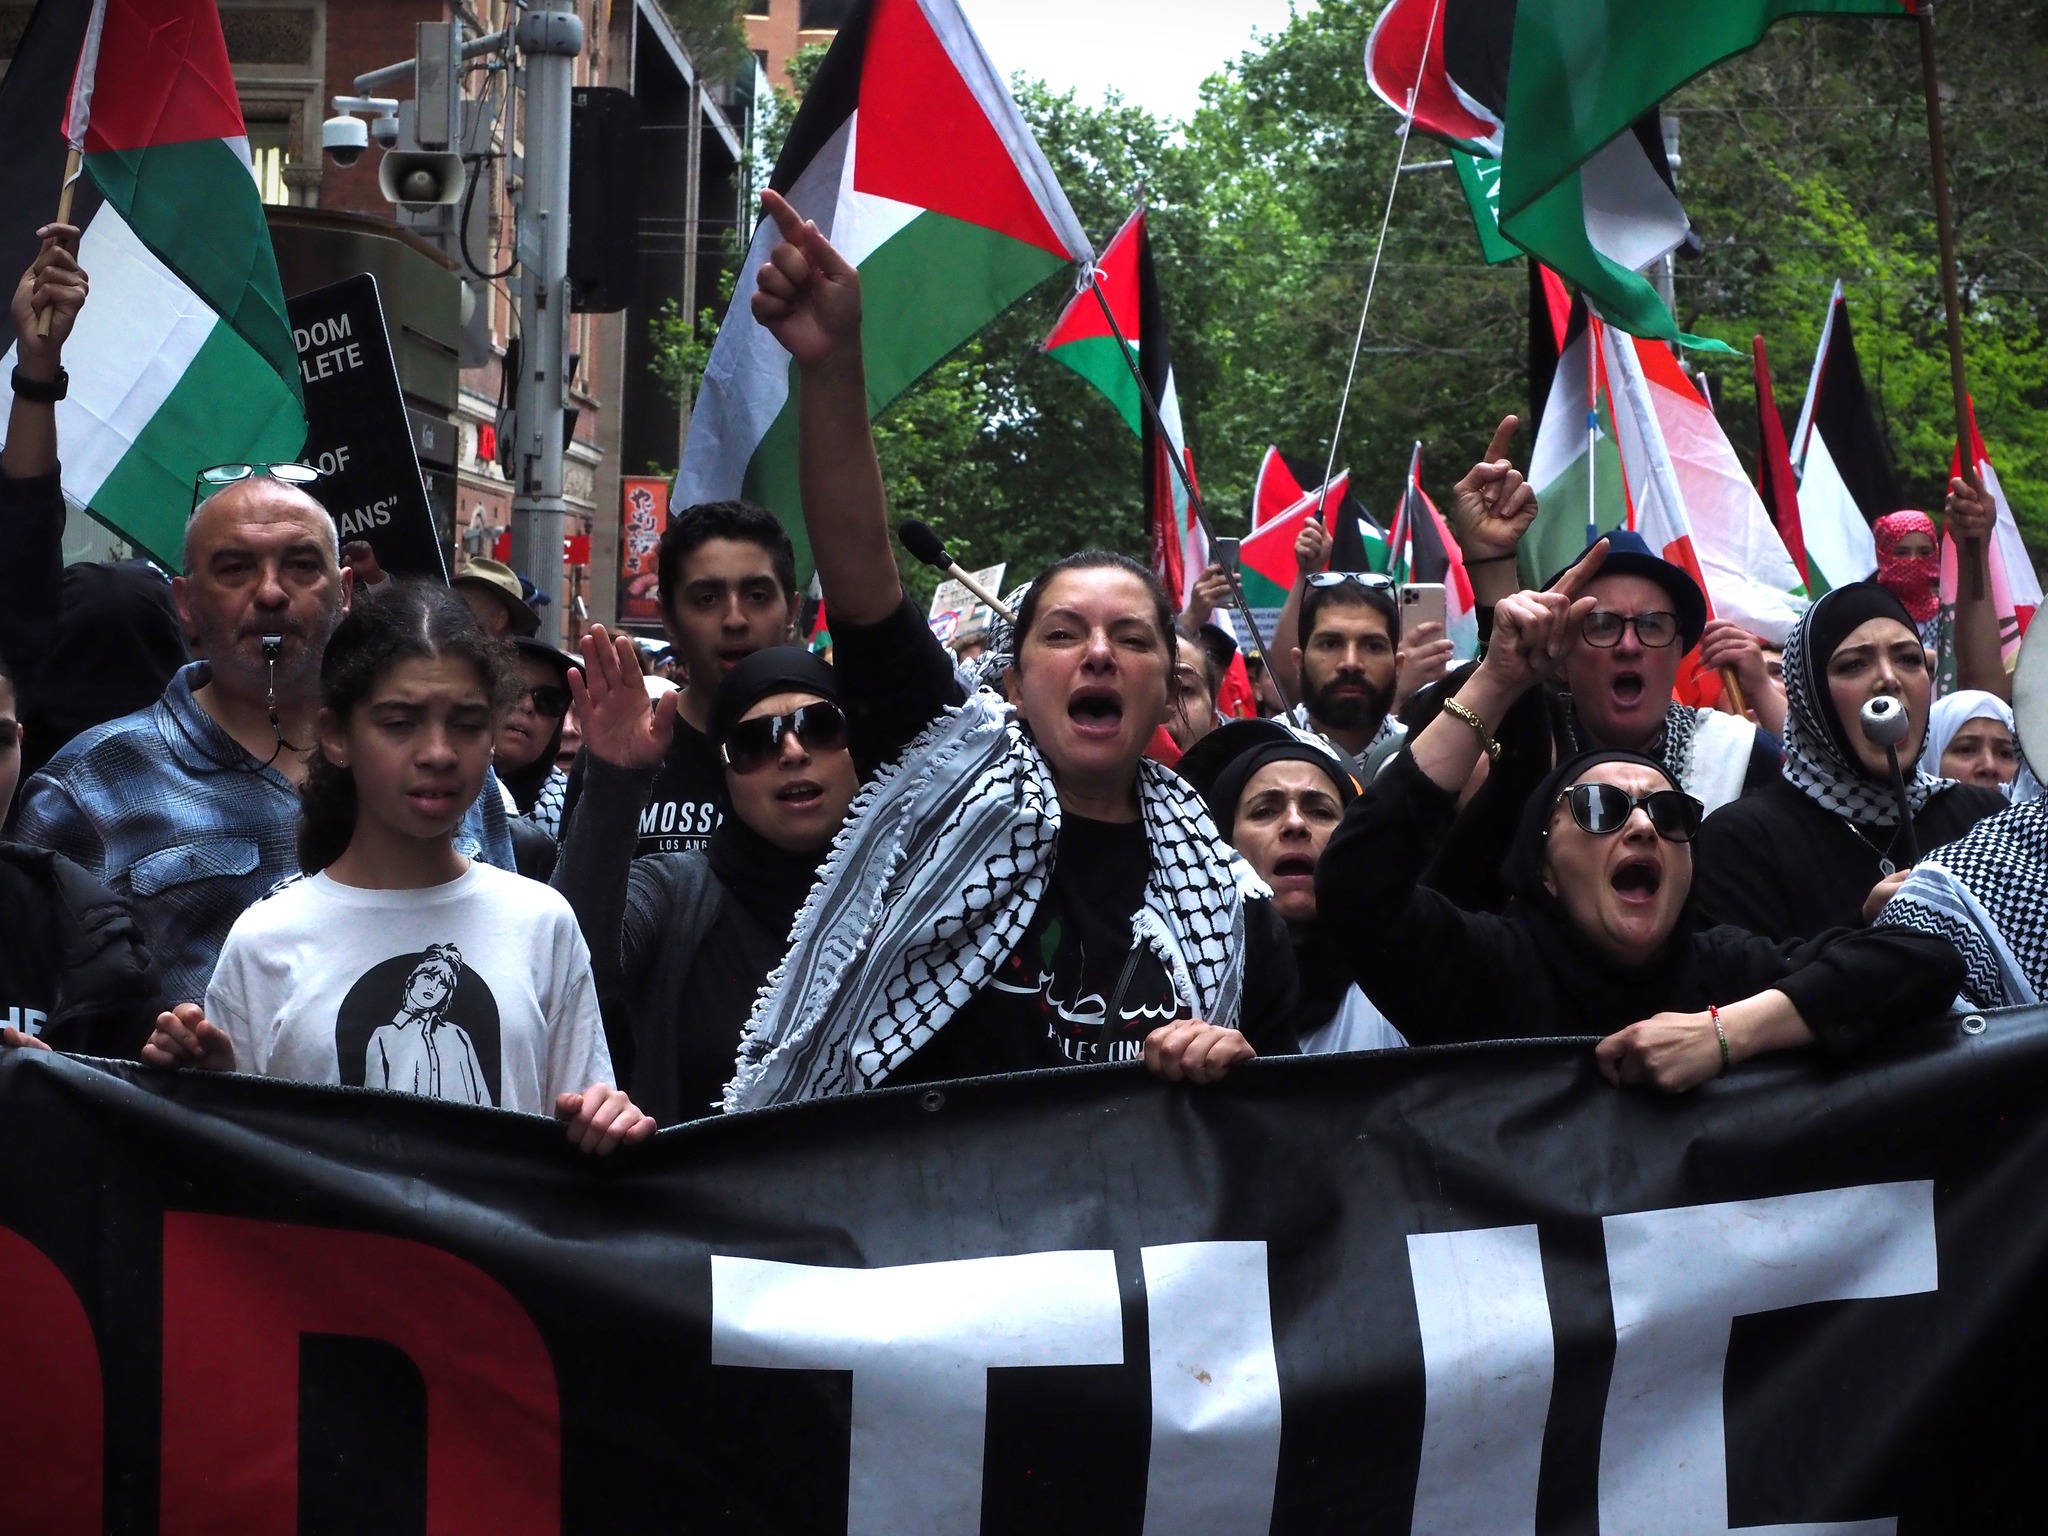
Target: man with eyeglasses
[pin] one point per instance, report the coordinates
(1621, 669)
(190, 807)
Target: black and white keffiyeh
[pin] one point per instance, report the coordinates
(1673, 748)
(1987, 894)
(932, 884)
(1816, 762)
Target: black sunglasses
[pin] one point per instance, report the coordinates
(753, 744)
(1372, 581)
(549, 701)
(1604, 809)
(1654, 630)
(218, 477)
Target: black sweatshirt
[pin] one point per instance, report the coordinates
(1781, 864)
(1443, 975)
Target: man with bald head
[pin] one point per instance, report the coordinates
(190, 807)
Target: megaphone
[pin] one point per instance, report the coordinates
(421, 178)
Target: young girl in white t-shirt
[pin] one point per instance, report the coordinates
(395, 962)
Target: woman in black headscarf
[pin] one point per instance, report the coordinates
(1600, 935)
(682, 942)
(1823, 847)
(1276, 794)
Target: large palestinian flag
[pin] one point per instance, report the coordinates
(1084, 340)
(1776, 485)
(1583, 73)
(915, 163)
(183, 357)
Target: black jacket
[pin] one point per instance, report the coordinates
(1441, 974)
(70, 951)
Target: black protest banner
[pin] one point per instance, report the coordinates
(1472, 1290)
(357, 434)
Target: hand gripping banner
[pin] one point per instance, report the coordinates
(1473, 1290)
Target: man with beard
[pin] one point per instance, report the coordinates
(190, 808)
(1349, 628)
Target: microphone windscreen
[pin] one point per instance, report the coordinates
(923, 544)
(1885, 721)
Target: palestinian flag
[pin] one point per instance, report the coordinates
(1629, 215)
(1585, 74)
(183, 357)
(1358, 543)
(1266, 557)
(1775, 483)
(1845, 477)
(2015, 589)
(1084, 341)
(913, 160)
(1423, 551)
(1575, 466)
(1550, 321)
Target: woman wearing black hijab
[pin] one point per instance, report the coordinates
(1600, 935)
(681, 942)
(1822, 847)
(1276, 794)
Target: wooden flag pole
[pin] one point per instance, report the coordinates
(72, 167)
(1951, 292)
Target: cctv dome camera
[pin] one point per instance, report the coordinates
(384, 129)
(345, 138)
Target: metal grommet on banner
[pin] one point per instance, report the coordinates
(1973, 1024)
(934, 1101)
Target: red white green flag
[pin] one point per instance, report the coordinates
(184, 357)
(1266, 557)
(1084, 341)
(2015, 589)
(911, 157)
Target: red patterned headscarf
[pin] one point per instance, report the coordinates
(1912, 579)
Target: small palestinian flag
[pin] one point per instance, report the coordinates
(1775, 483)
(183, 358)
(1266, 557)
(1358, 543)
(914, 162)
(1424, 551)
(1084, 341)
(1845, 476)
(2015, 589)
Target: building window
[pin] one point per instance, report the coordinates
(270, 151)
(757, 7)
(824, 15)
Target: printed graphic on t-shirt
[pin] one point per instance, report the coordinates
(29, 1021)
(1075, 995)
(676, 826)
(422, 1023)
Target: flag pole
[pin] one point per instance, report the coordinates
(1093, 282)
(72, 166)
(1951, 293)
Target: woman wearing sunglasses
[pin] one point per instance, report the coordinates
(681, 942)
(1600, 936)
(530, 735)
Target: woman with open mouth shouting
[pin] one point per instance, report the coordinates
(1601, 935)
(1018, 887)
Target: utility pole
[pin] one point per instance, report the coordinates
(549, 38)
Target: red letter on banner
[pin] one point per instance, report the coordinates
(237, 1296)
(51, 1457)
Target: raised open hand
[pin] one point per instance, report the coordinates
(1492, 507)
(808, 295)
(1534, 632)
(611, 704)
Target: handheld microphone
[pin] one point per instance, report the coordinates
(925, 548)
(273, 647)
(1885, 724)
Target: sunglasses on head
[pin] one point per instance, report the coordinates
(753, 744)
(1372, 581)
(1603, 809)
(217, 478)
(1654, 630)
(547, 700)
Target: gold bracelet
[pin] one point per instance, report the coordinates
(1458, 711)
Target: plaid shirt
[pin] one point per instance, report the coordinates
(167, 809)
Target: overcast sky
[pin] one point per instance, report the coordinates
(1157, 52)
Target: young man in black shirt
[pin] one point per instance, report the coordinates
(728, 589)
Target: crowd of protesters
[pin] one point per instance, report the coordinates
(285, 815)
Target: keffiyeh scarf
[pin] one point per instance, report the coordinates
(1987, 894)
(931, 886)
(1673, 748)
(1814, 761)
